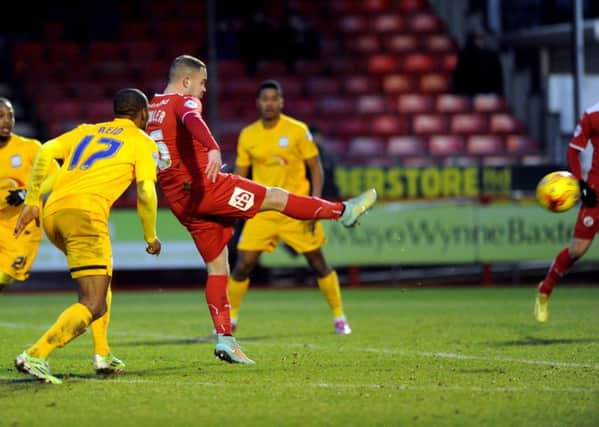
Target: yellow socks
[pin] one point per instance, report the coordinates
(237, 290)
(70, 324)
(329, 286)
(5, 279)
(99, 328)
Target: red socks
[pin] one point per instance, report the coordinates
(562, 263)
(306, 207)
(217, 298)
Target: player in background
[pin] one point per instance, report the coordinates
(16, 158)
(279, 149)
(208, 202)
(100, 162)
(587, 222)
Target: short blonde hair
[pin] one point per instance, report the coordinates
(184, 61)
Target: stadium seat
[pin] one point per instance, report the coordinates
(426, 124)
(438, 43)
(376, 5)
(319, 86)
(230, 68)
(521, 144)
(434, 83)
(505, 123)
(533, 160)
(449, 62)
(406, 146)
(424, 23)
(99, 110)
(305, 67)
(410, 6)
(390, 124)
(135, 30)
(388, 23)
(366, 146)
(460, 160)
(469, 123)
(383, 63)
(349, 126)
(99, 51)
(484, 145)
(64, 52)
(419, 63)
(398, 83)
(498, 160)
(372, 104)
(449, 103)
(297, 106)
(239, 87)
(446, 145)
(416, 161)
(401, 43)
(267, 69)
(31, 52)
(364, 43)
(489, 103)
(411, 103)
(336, 105)
(360, 84)
(140, 51)
(353, 24)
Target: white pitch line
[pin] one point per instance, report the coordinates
(382, 387)
(438, 355)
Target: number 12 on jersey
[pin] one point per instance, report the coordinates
(107, 147)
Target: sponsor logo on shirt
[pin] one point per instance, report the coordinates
(588, 221)
(16, 161)
(577, 130)
(241, 199)
(191, 104)
(283, 142)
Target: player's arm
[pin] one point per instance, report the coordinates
(316, 175)
(243, 162)
(147, 200)
(191, 118)
(580, 139)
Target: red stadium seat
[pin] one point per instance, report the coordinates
(293, 86)
(141, 51)
(521, 144)
(413, 5)
(365, 146)
(360, 84)
(61, 109)
(469, 123)
(98, 111)
(67, 52)
(230, 68)
(389, 124)
(31, 52)
(349, 126)
(426, 124)
(383, 63)
(485, 145)
(462, 161)
(446, 145)
(238, 87)
(417, 161)
(419, 63)
(376, 5)
(268, 69)
(308, 67)
(336, 105)
(401, 43)
(398, 83)
(300, 107)
(449, 62)
(534, 159)
(424, 23)
(498, 160)
(411, 103)
(434, 83)
(438, 43)
(388, 23)
(505, 123)
(406, 146)
(364, 43)
(372, 104)
(489, 103)
(99, 51)
(448, 103)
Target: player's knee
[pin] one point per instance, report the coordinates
(242, 270)
(96, 307)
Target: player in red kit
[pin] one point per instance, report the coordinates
(208, 202)
(587, 223)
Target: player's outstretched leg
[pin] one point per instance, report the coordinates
(228, 350)
(542, 307)
(106, 365)
(37, 367)
(357, 206)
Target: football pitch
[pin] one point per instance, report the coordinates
(416, 357)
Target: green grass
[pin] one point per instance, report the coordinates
(417, 357)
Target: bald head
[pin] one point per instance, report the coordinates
(183, 65)
(7, 120)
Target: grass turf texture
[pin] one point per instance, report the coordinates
(417, 357)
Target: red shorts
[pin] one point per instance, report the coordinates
(587, 223)
(209, 209)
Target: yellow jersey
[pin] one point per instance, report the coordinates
(277, 156)
(100, 161)
(16, 159)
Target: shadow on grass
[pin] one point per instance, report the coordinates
(180, 341)
(534, 341)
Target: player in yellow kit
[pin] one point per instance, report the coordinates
(16, 158)
(99, 163)
(278, 149)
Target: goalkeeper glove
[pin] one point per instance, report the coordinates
(16, 197)
(587, 194)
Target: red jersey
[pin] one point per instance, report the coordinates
(586, 130)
